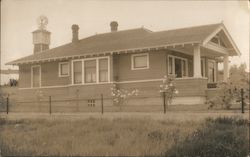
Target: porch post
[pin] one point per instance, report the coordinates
(197, 61)
(226, 68)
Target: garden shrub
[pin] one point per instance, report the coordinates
(223, 137)
(229, 92)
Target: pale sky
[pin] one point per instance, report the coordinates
(18, 20)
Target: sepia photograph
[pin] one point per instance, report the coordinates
(125, 78)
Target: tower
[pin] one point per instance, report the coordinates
(41, 37)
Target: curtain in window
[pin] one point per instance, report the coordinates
(90, 71)
(103, 70)
(77, 72)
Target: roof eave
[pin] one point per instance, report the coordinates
(132, 50)
(222, 27)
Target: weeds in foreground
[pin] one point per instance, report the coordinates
(119, 137)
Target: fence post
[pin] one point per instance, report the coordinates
(242, 100)
(50, 105)
(102, 102)
(164, 102)
(7, 105)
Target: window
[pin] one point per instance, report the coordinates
(184, 69)
(170, 65)
(177, 66)
(90, 71)
(140, 61)
(103, 70)
(91, 103)
(77, 65)
(63, 69)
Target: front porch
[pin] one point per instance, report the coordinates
(201, 62)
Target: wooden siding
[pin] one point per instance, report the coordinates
(184, 86)
(123, 71)
(50, 75)
(24, 76)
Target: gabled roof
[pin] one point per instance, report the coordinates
(123, 41)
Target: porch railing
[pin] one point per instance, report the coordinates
(212, 85)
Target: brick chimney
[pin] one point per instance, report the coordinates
(75, 29)
(114, 26)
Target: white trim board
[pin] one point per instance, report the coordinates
(97, 70)
(136, 55)
(120, 82)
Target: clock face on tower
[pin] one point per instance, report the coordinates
(42, 22)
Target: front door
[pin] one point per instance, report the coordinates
(36, 76)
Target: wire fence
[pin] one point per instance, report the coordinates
(99, 104)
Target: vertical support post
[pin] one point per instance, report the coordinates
(7, 105)
(197, 61)
(102, 102)
(50, 111)
(242, 100)
(225, 68)
(164, 102)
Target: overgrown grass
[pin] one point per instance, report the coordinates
(117, 137)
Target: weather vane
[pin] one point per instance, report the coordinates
(42, 22)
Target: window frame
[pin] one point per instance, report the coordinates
(97, 70)
(133, 64)
(72, 71)
(59, 69)
(173, 65)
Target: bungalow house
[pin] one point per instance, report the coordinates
(135, 58)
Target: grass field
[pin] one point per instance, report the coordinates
(116, 134)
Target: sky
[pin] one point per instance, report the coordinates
(18, 20)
